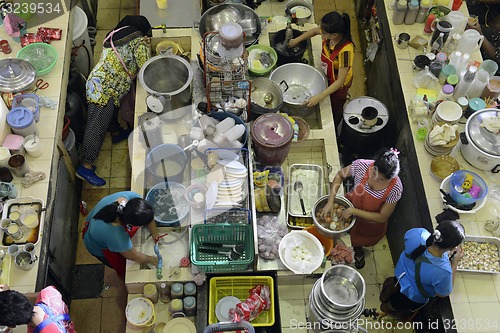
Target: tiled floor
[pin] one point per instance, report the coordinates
(106, 314)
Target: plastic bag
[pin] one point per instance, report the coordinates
(425, 79)
(258, 301)
(269, 234)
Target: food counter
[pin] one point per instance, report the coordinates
(49, 131)
(475, 300)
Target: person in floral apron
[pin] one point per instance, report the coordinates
(49, 315)
(125, 50)
(110, 226)
(337, 57)
(374, 195)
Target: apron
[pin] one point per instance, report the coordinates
(52, 318)
(339, 97)
(368, 233)
(114, 259)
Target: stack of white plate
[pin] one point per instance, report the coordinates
(226, 184)
(447, 111)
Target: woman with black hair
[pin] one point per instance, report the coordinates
(374, 195)
(425, 269)
(337, 57)
(110, 226)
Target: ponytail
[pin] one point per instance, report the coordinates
(136, 212)
(335, 22)
(347, 27)
(447, 235)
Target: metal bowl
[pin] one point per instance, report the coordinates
(260, 88)
(320, 203)
(247, 18)
(343, 286)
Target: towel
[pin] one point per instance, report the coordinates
(442, 134)
(492, 124)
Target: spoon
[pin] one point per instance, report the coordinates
(298, 187)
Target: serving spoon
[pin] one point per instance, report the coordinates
(299, 187)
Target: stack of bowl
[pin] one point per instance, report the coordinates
(447, 111)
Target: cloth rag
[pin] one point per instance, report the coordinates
(491, 124)
(447, 215)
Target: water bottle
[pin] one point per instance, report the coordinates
(465, 83)
(412, 12)
(398, 15)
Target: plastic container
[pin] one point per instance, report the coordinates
(189, 306)
(177, 290)
(175, 306)
(166, 161)
(446, 93)
(479, 83)
(399, 13)
(33, 146)
(490, 66)
(22, 121)
(238, 286)
(29, 101)
(175, 210)
(14, 143)
(150, 292)
(446, 71)
(423, 11)
(456, 182)
(465, 83)
(452, 80)
(189, 289)
(492, 89)
(229, 234)
(327, 242)
(412, 12)
(272, 136)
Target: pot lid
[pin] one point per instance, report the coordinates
(366, 114)
(155, 103)
(483, 139)
(20, 118)
(149, 121)
(272, 129)
(16, 75)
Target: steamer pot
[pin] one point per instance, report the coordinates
(480, 147)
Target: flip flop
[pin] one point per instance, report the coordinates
(359, 262)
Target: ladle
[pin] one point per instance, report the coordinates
(299, 187)
(268, 98)
(231, 255)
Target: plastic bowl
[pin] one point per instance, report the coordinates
(262, 48)
(140, 312)
(41, 55)
(327, 242)
(456, 181)
(301, 252)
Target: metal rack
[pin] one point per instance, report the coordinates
(232, 96)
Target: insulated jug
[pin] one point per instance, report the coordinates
(457, 20)
(471, 39)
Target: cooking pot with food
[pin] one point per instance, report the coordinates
(285, 54)
(480, 143)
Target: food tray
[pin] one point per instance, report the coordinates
(479, 239)
(311, 176)
(29, 235)
(238, 286)
(301, 222)
(228, 234)
(221, 215)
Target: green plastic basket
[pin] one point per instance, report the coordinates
(228, 234)
(41, 55)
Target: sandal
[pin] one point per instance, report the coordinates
(359, 262)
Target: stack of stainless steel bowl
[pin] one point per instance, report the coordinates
(337, 300)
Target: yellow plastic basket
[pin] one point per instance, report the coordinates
(238, 286)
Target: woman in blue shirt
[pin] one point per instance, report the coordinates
(110, 226)
(424, 269)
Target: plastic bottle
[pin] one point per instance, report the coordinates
(446, 93)
(189, 305)
(437, 45)
(235, 133)
(480, 82)
(225, 125)
(412, 12)
(462, 66)
(452, 43)
(177, 290)
(456, 4)
(164, 293)
(189, 289)
(465, 83)
(175, 305)
(423, 11)
(150, 292)
(455, 58)
(452, 79)
(399, 13)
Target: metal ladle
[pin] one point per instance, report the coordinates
(299, 187)
(268, 98)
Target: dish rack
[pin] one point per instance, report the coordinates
(29, 235)
(243, 158)
(239, 286)
(232, 96)
(234, 215)
(227, 234)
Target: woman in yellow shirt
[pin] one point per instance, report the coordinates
(337, 56)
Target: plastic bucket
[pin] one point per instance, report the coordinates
(84, 58)
(140, 313)
(169, 203)
(166, 162)
(22, 121)
(462, 196)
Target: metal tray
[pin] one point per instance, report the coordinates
(311, 176)
(481, 239)
(29, 235)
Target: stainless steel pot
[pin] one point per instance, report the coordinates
(294, 3)
(480, 147)
(167, 79)
(320, 203)
(266, 96)
(247, 18)
(299, 82)
(343, 287)
(16, 75)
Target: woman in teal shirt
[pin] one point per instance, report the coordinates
(110, 226)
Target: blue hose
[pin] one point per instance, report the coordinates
(159, 274)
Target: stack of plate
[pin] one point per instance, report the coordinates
(440, 150)
(226, 184)
(447, 111)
